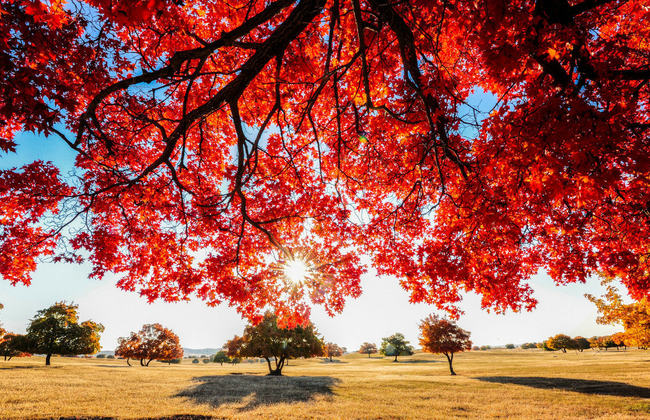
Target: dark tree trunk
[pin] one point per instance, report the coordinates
(279, 364)
(450, 359)
(396, 354)
(141, 362)
(47, 359)
(331, 359)
(127, 361)
(148, 361)
(368, 355)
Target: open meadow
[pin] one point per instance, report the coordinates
(490, 384)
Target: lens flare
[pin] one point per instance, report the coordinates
(296, 271)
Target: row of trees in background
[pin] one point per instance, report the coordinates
(152, 342)
(56, 330)
(277, 345)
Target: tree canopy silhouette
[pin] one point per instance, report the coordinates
(217, 140)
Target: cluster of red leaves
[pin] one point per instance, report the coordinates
(368, 142)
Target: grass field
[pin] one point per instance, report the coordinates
(490, 384)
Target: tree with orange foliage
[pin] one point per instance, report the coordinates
(461, 145)
(332, 350)
(128, 348)
(634, 317)
(439, 335)
(152, 342)
(368, 348)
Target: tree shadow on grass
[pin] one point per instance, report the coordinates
(29, 367)
(584, 386)
(253, 391)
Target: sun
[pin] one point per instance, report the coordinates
(296, 270)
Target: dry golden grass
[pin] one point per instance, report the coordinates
(490, 384)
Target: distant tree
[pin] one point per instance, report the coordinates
(332, 350)
(101, 356)
(269, 341)
(221, 357)
(395, 345)
(561, 342)
(510, 346)
(110, 356)
(368, 348)
(528, 346)
(476, 348)
(581, 343)
(620, 339)
(195, 360)
(152, 342)
(237, 360)
(56, 330)
(205, 360)
(10, 345)
(485, 347)
(439, 335)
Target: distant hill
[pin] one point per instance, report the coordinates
(199, 352)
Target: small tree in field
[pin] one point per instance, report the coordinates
(56, 330)
(510, 346)
(368, 348)
(581, 343)
(269, 341)
(395, 345)
(561, 342)
(439, 335)
(152, 342)
(221, 357)
(10, 345)
(332, 350)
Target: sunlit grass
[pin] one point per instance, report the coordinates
(492, 384)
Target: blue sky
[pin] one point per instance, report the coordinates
(382, 310)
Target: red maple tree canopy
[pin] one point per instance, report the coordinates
(218, 141)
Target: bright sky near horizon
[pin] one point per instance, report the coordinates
(382, 310)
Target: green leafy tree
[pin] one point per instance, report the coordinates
(56, 330)
(510, 346)
(195, 360)
(221, 357)
(269, 341)
(395, 345)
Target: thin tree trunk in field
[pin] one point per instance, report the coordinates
(450, 359)
(149, 361)
(127, 361)
(47, 359)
